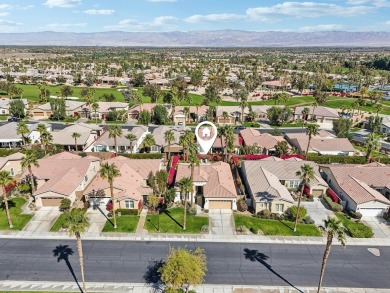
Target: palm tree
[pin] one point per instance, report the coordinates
(243, 105)
(333, 227)
(221, 133)
(314, 105)
(218, 101)
(46, 139)
(305, 112)
(29, 160)
(131, 138)
(372, 143)
(197, 105)
(22, 129)
(185, 187)
(194, 162)
(169, 137)
(185, 140)
(229, 140)
(5, 179)
(378, 108)
(95, 108)
(110, 172)
(306, 174)
(137, 99)
(312, 130)
(75, 135)
(77, 222)
(149, 141)
(114, 131)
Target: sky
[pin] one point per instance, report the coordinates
(193, 15)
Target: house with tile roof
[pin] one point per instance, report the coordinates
(362, 188)
(324, 144)
(265, 189)
(72, 108)
(130, 188)
(264, 142)
(106, 107)
(214, 185)
(161, 146)
(180, 117)
(4, 105)
(106, 144)
(286, 170)
(12, 164)
(64, 175)
(133, 112)
(10, 139)
(319, 113)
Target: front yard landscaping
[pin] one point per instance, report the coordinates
(171, 221)
(125, 224)
(59, 223)
(355, 229)
(18, 219)
(275, 227)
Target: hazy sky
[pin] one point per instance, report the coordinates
(189, 15)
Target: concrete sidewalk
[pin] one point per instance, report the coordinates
(4, 234)
(155, 288)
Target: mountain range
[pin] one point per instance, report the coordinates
(221, 38)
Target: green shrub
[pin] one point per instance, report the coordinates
(333, 205)
(327, 159)
(192, 211)
(143, 156)
(308, 220)
(254, 230)
(127, 212)
(65, 205)
(291, 213)
(264, 214)
(7, 152)
(355, 215)
(242, 229)
(205, 229)
(355, 229)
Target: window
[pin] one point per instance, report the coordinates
(94, 168)
(154, 148)
(129, 204)
(294, 184)
(12, 172)
(86, 178)
(280, 207)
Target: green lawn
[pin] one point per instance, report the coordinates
(171, 222)
(275, 227)
(18, 220)
(355, 229)
(373, 153)
(58, 224)
(127, 224)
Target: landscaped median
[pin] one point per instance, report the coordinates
(19, 220)
(275, 227)
(355, 229)
(171, 221)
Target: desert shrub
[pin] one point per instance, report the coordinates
(191, 211)
(242, 229)
(254, 230)
(241, 205)
(205, 229)
(333, 205)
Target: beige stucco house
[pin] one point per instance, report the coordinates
(12, 164)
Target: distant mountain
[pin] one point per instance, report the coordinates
(222, 38)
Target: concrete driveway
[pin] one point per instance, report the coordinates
(317, 211)
(43, 219)
(221, 222)
(97, 220)
(379, 226)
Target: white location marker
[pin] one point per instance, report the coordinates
(206, 133)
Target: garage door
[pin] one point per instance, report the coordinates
(317, 192)
(220, 204)
(367, 212)
(51, 202)
(38, 114)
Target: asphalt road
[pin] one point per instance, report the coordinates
(240, 264)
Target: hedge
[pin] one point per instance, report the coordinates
(7, 152)
(333, 205)
(328, 159)
(125, 212)
(143, 156)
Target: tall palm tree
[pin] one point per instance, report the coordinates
(378, 108)
(95, 108)
(218, 101)
(46, 139)
(333, 227)
(221, 133)
(137, 99)
(77, 222)
(306, 174)
(194, 162)
(305, 113)
(372, 143)
(243, 105)
(148, 142)
(115, 131)
(169, 137)
(312, 130)
(229, 140)
(75, 135)
(5, 179)
(185, 140)
(29, 160)
(185, 187)
(22, 129)
(110, 172)
(131, 138)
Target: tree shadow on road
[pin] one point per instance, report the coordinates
(62, 252)
(254, 255)
(152, 276)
